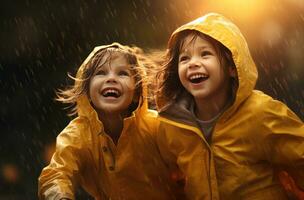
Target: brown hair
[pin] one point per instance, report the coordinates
(134, 57)
(168, 84)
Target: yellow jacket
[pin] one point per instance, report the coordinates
(250, 139)
(86, 156)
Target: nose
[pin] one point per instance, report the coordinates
(111, 78)
(194, 63)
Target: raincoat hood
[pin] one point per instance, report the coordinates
(84, 108)
(224, 31)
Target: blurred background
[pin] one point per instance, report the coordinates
(43, 40)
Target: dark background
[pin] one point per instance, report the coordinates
(43, 40)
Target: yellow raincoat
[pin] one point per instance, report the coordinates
(86, 156)
(250, 139)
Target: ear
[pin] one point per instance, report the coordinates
(135, 97)
(232, 71)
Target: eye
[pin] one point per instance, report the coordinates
(206, 53)
(183, 58)
(123, 73)
(101, 72)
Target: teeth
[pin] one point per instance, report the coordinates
(110, 91)
(196, 76)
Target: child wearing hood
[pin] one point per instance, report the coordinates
(108, 149)
(215, 128)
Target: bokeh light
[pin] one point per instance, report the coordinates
(10, 173)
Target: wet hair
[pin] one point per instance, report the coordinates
(168, 84)
(133, 55)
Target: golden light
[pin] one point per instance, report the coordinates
(247, 10)
(243, 10)
(10, 173)
(271, 32)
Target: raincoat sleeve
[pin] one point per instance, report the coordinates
(285, 140)
(58, 179)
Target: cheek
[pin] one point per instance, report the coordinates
(93, 88)
(91, 93)
(181, 71)
(130, 84)
(90, 89)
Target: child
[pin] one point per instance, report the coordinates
(215, 125)
(108, 149)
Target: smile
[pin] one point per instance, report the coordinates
(197, 77)
(111, 92)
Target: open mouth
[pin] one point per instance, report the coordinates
(198, 78)
(111, 92)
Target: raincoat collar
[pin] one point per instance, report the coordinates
(180, 110)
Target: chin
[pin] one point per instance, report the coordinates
(201, 95)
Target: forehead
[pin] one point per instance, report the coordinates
(113, 59)
(194, 41)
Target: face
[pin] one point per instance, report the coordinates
(112, 85)
(200, 71)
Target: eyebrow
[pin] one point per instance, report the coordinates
(125, 67)
(203, 47)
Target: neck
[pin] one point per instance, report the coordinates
(113, 125)
(207, 109)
